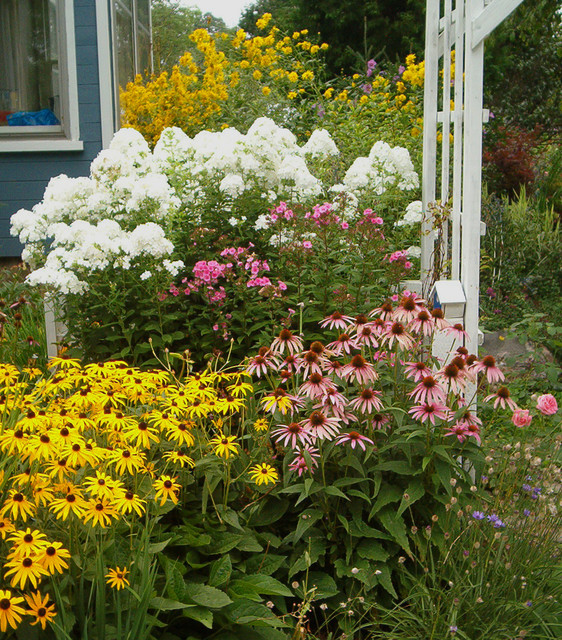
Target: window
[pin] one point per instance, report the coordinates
(132, 44)
(38, 100)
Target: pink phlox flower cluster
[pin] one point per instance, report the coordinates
(322, 215)
(400, 257)
(281, 211)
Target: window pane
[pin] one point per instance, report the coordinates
(124, 43)
(143, 48)
(29, 63)
(143, 13)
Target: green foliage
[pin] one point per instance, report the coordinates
(172, 23)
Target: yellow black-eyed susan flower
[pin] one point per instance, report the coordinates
(179, 457)
(127, 502)
(263, 474)
(73, 502)
(100, 512)
(27, 543)
(166, 487)
(23, 570)
(117, 578)
(18, 506)
(224, 446)
(10, 611)
(53, 558)
(41, 607)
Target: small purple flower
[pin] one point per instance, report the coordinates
(491, 292)
(453, 629)
(529, 603)
(484, 479)
(526, 487)
(499, 524)
(371, 64)
(478, 515)
(367, 88)
(534, 496)
(466, 553)
(526, 513)
(493, 518)
(401, 69)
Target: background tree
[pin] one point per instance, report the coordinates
(171, 25)
(356, 31)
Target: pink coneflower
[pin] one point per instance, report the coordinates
(315, 386)
(428, 390)
(311, 362)
(407, 309)
(416, 370)
(385, 311)
(452, 376)
(291, 363)
(470, 419)
(353, 438)
(423, 323)
(368, 400)
(300, 465)
(259, 364)
(359, 369)
(320, 427)
(397, 332)
(457, 331)
(366, 336)
(378, 420)
(332, 367)
(379, 326)
(472, 430)
(439, 319)
(343, 343)
(460, 430)
(286, 340)
(336, 320)
(488, 366)
(292, 433)
(502, 398)
(333, 398)
(430, 411)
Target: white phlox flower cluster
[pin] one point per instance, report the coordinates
(320, 144)
(385, 166)
(413, 215)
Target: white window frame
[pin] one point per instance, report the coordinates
(66, 136)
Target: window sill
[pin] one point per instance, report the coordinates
(54, 144)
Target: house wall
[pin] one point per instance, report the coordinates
(24, 176)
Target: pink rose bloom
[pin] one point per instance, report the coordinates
(521, 418)
(547, 404)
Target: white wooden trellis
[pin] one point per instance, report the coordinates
(461, 25)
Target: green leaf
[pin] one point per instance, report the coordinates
(201, 614)
(325, 585)
(157, 547)
(229, 516)
(206, 596)
(334, 491)
(265, 585)
(270, 511)
(164, 604)
(220, 571)
(265, 565)
(394, 524)
(253, 613)
(387, 495)
(306, 520)
(415, 491)
(359, 528)
(385, 581)
(372, 551)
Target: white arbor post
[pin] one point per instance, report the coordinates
(463, 27)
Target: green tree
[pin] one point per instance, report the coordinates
(171, 25)
(355, 30)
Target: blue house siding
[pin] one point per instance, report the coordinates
(24, 176)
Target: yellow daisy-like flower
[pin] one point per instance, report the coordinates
(179, 457)
(128, 459)
(17, 505)
(53, 558)
(117, 578)
(40, 608)
(24, 569)
(63, 362)
(181, 433)
(128, 502)
(73, 502)
(100, 512)
(264, 474)
(6, 526)
(102, 486)
(10, 611)
(27, 543)
(224, 446)
(166, 487)
(261, 425)
(229, 404)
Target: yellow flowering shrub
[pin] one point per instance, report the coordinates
(224, 79)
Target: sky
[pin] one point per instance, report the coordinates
(228, 10)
